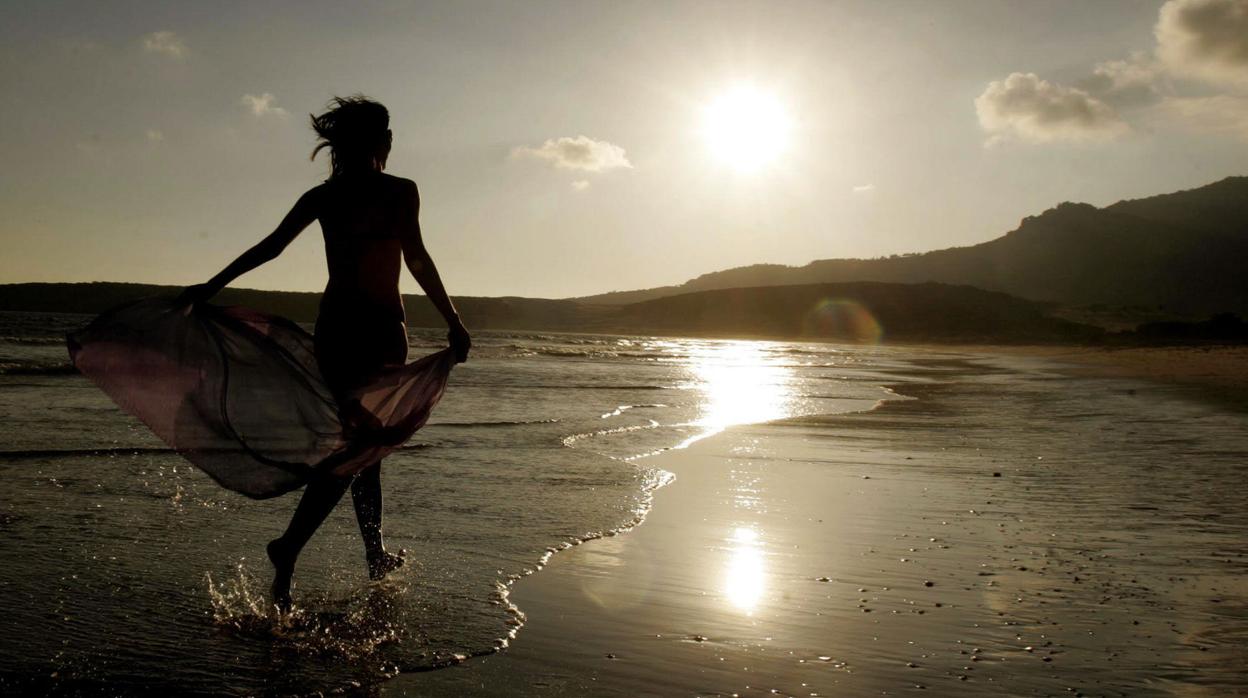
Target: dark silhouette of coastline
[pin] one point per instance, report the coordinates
(98, 296)
(939, 313)
(1182, 252)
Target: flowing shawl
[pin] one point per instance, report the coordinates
(238, 393)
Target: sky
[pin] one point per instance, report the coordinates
(571, 148)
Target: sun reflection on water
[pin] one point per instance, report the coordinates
(741, 383)
(745, 575)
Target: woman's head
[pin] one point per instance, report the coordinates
(357, 132)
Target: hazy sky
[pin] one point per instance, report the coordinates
(560, 147)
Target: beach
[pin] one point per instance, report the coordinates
(611, 515)
(1210, 371)
(991, 536)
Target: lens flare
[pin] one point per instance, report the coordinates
(841, 318)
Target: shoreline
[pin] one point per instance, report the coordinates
(1219, 371)
(861, 553)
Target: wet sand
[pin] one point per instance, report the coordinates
(992, 537)
(1220, 372)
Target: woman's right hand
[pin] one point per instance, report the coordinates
(460, 341)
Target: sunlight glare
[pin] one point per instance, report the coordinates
(746, 128)
(745, 575)
(741, 383)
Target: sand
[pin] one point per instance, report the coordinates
(1213, 371)
(957, 544)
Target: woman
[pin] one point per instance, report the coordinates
(370, 224)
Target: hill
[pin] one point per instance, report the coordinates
(486, 313)
(865, 312)
(1182, 252)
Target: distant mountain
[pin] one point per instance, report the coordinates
(492, 313)
(1185, 252)
(863, 312)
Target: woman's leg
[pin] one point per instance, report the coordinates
(319, 498)
(366, 494)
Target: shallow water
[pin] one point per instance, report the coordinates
(1013, 531)
(125, 567)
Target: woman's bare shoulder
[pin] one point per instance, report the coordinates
(316, 193)
(312, 201)
(400, 183)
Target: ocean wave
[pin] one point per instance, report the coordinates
(24, 454)
(503, 423)
(496, 335)
(573, 438)
(822, 396)
(573, 386)
(8, 369)
(651, 355)
(41, 341)
(613, 387)
(603, 352)
(619, 410)
(559, 352)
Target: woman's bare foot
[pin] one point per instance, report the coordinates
(381, 565)
(283, 571)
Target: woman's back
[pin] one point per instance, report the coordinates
(363, 218)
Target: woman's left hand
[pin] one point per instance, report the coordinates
(461, 342)
(196, 294)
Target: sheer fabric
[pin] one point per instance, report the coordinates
(238, 393)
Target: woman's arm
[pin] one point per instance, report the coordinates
(421, 265)
(299, 218)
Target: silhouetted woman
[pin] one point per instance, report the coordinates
(370, 224)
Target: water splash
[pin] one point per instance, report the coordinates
(353, 627)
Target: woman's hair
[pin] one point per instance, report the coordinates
(356, 131)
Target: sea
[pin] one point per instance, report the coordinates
(126, 570)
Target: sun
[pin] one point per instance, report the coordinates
(746, 128)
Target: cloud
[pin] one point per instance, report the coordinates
(864, 188)
(1219, 114)
(579, 153)
(1197, 41)
(263, 105)
(1026, 108)
(165, 43)
(1206, 39)
(580, 185)
(1135, 81)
